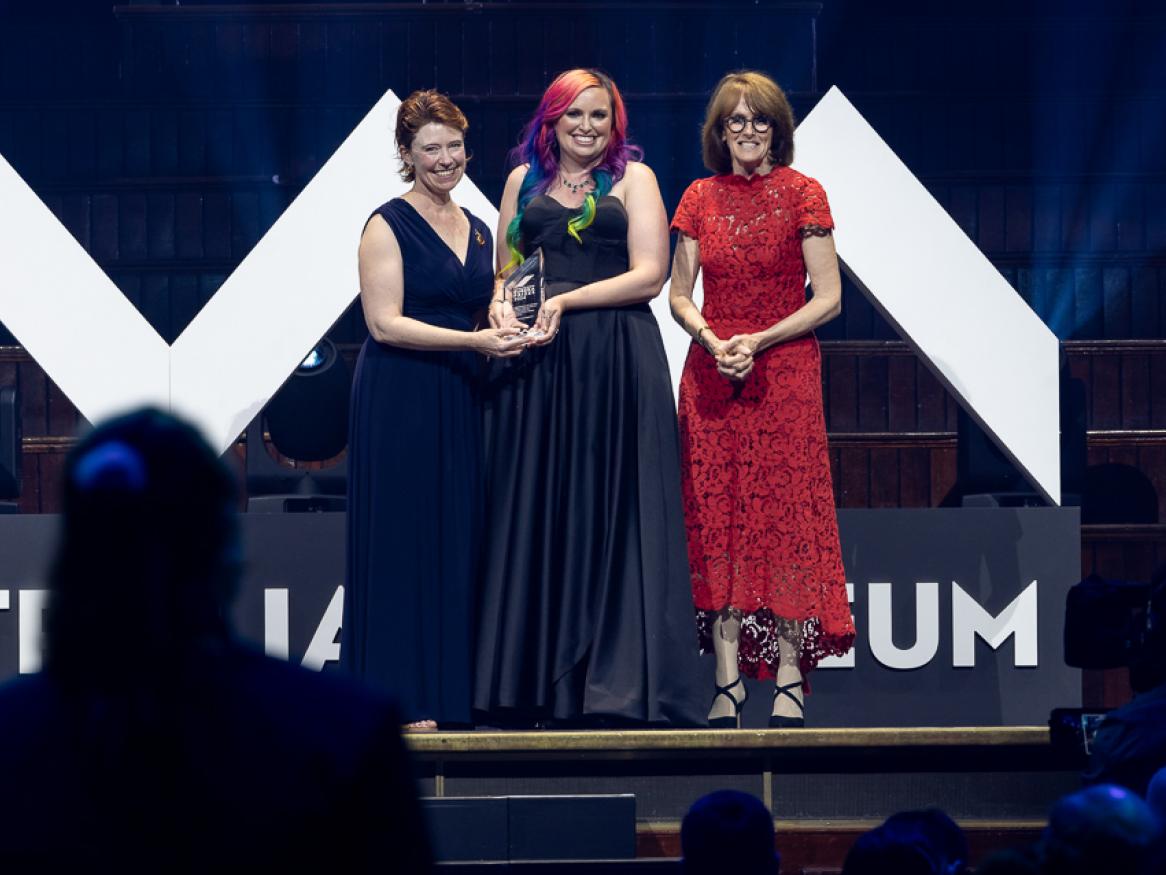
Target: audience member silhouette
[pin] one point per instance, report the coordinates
(728, 831)
(154, 742)
(1100, 829)
(925, 842)
(1011, 861)
(1156, 795)
(1130, 744)
(935, 832)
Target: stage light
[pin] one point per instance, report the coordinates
(306, 421)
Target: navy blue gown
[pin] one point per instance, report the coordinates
(414, 469)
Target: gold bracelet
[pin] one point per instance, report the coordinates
(501, 300)
(698, 332)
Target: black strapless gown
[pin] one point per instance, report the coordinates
(586, 608)
(414, 486)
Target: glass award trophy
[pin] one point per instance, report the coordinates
(527, 287)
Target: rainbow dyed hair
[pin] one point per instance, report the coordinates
(538, 147)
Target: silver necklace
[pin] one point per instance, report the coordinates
(585, 185)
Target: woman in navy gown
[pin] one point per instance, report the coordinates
(414, 449)
(586, 610)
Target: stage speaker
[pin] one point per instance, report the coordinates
(11, 454)
(572, 827)
(531, 828)
(470, 828)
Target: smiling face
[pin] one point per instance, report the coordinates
(748, 149)
(584, 130)
(437, 156)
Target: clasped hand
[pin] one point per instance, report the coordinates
(735, 356)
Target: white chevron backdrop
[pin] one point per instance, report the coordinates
(960, 315)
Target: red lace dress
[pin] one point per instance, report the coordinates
(758, 503)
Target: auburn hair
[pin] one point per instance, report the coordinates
(420, 109)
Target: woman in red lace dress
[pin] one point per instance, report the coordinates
(767, 573)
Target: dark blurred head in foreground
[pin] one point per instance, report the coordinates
(148, 558)
(1101, 829)
(728, 831)
(153, 742)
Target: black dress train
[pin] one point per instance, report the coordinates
(586, 609)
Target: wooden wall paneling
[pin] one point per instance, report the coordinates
(902, 406)
(1157, 390)
(34, 399)
(1102, 221)
(30, 484)
(884, 476)
(1105, 392)
(1116, 301)
(164, 151)
(246, 228)
(161, 225)
(1135, 391)
(104, 238)
(1127, 455)
(188, 225)
(915, 476)
(61, 414)
(1046, 213)
(50, 471)
(836, 475)
(1018, 226)
(932, 400)
(184, 302)
(943, 473)
(82, 138)
(1151, 460)
(423, 54)
(217, 220)
(842, 393)
(155, 304)
(1088, 303)
(130, 285)
(991, 218)
(137, 145)
(131, 226)
(857, 314)
(1130, 218)
(314, 56)
(1146, 292)
(1154, 213)
(872, 393)
(855, 481)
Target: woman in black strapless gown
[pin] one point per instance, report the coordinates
(586, 611)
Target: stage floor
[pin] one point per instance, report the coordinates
(824, 786)
(974, 773)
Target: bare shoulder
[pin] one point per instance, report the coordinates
(517, 175)
(639, 173)
(378, 237)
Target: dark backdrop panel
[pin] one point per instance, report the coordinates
(993, 555)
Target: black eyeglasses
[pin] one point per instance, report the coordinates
(760, 123)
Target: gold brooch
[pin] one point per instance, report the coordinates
(478, 236)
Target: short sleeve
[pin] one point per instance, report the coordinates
(688, 214)
(815, 219)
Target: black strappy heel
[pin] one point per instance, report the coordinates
(733, 722)
(776, 722)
